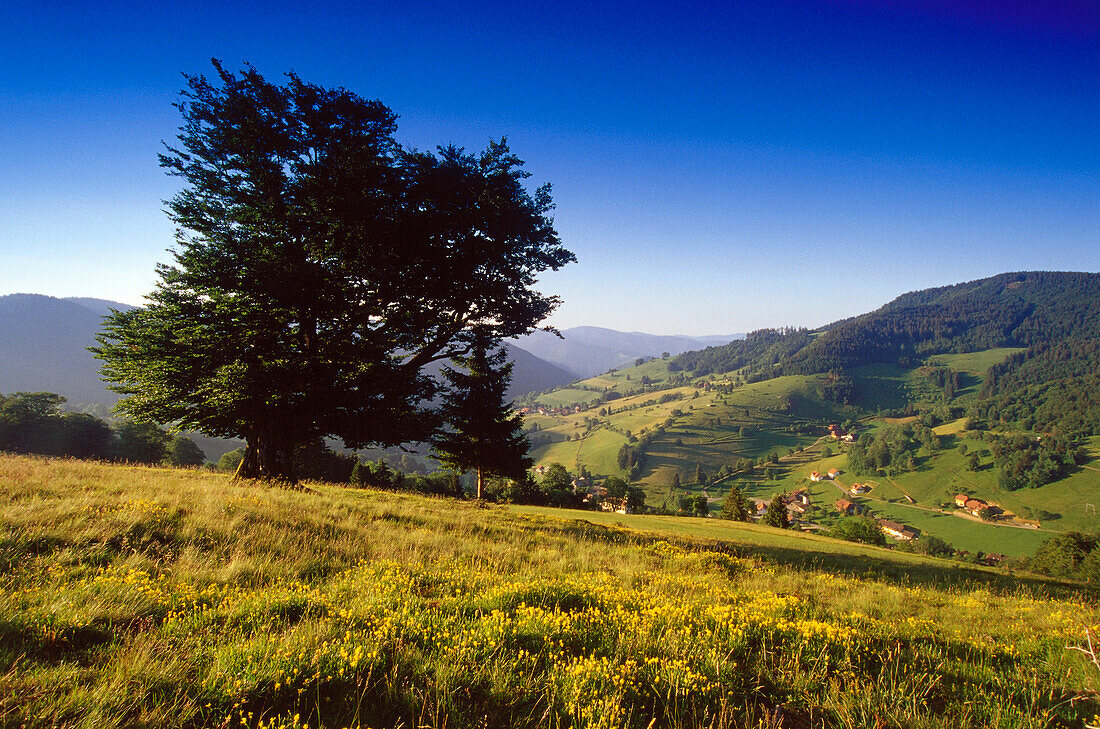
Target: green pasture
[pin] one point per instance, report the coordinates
(974, 362)
(567, 397)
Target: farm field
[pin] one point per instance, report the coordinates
(696, 427)
(172, 598)
(936, 482)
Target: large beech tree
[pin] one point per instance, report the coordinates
(319, 267)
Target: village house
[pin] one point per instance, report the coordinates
(898, 531)
(796, 509)
(974, 506)
(801, 496)
(617, 506)
(815, 476)
(848, 508)
(837, 433)
(960, 500)
(859, 488)
(833, 473)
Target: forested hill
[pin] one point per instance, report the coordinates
(1009, 310)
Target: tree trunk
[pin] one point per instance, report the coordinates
(267, 456)
(479, 483)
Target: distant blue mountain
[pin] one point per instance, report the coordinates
(588, 351)
(44, 347)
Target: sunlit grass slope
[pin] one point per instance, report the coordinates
(698, 427)
(151, 597)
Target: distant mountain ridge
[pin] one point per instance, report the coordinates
(587, 350)
(44, 347)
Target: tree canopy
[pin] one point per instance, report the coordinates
(319, 267)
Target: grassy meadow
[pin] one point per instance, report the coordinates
(172, 598)
(697, 426)
(935, 483)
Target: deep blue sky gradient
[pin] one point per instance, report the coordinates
(717, 168)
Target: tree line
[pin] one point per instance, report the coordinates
(33, 423)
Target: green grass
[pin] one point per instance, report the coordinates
(139, 597)
(977, 363)
(707, 431)
(936, 482)
(567, 397)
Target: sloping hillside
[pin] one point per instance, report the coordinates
(44, 347)
(1009, 310)
(180, 599)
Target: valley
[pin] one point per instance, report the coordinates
(765, 426)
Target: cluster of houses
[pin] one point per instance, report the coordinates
(975, 506)
(542, 410)
(831, 475)
(797, 503)
(594, 496)
(838, 434)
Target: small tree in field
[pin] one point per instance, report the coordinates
(483, 432)
(735, 506)
(777, 515)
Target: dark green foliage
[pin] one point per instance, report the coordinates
(688, 505)
(1052, 387)
(483, 433)
(184, 452)
(519, 491)
(777, 515)
(1015, 309)
(358, 474)
(893, 450)
(30, 422)
(230, 460)
(557, 486)
(141, 442)
(378, 475)
(1028, 462)
(316, 461)
(1069, 555)
(618, 489)
(735, 506)
(85, 436)
(859, 529)
(926, 544)
(320, 267)
(758, 351)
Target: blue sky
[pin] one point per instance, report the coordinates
(717, 168)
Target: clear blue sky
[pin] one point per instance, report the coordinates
(717, 168)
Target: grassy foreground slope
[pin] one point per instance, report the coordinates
(152, 597)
